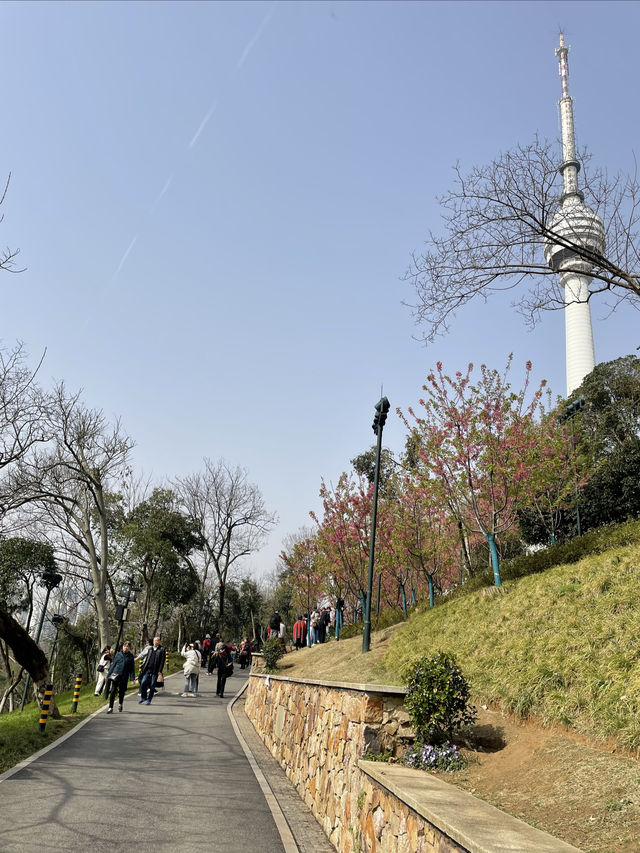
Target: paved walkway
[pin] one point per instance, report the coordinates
(171, 776)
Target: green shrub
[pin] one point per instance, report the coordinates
(437, 698)
(272, 651)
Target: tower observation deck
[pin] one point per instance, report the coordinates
(574, 226)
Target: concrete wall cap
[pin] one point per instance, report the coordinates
(386, 689)
(472, 823)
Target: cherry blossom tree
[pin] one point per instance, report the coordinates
(475, 438)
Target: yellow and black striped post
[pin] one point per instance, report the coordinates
(76, 694)
(44, 712)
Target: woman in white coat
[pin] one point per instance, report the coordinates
(191, 669)
(104, 662)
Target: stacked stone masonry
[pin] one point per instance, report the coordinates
(320, 733)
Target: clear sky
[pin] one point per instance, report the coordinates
(215, 203)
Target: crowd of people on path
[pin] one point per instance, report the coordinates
(309, 629)
(114, 671)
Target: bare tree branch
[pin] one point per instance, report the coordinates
(497, 219)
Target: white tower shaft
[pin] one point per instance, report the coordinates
(576, 224)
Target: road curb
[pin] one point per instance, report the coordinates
(286, 836)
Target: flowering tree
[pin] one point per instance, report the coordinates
(476, 439)
(425, 534)
(305, 576)
(343, 533)
(557, 472)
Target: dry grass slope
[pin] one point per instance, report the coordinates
(563, 645)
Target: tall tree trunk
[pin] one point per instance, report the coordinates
(221, 589)
(26, 653)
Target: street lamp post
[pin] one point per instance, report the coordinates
(49, 580)
(129, 593)
(382, 407)
(57, 620)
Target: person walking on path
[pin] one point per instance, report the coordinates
(246, 651)
(121, 669)
(206, 649)
(151, 668)
(104, 663)
(213, 657)
(191, 669)
(225, 667)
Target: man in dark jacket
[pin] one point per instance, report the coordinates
(120, 671)
(153, 664)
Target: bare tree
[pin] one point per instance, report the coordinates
(70, 480)
(8, 256)
(231, 515)
(22, 423)
(496, 221)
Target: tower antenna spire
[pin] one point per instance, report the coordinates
(570, 166)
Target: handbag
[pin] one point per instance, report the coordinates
(101, 668)
(160, 680)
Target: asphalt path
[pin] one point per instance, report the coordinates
(170, 776)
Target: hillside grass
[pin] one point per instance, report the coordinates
(563, 645)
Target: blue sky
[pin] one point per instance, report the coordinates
(215, 203)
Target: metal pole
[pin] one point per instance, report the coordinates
(126, 605)
(578, 526)
(366, 632)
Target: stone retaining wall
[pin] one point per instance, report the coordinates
(320, 731)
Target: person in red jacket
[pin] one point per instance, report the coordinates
(299, 632)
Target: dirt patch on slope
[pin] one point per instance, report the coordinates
(587, 795)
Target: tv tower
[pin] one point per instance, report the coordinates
(574, 224)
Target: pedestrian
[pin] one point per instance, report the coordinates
(206, 650)
(299, 632)
(274, 625)
(104, 662)
(315, 627)
(325, 618)
(246, 650)
(225, 667)
(191, 669)
(121, 670)
(140, 659)
(282, 634)
(150, 671)
(213, 657)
